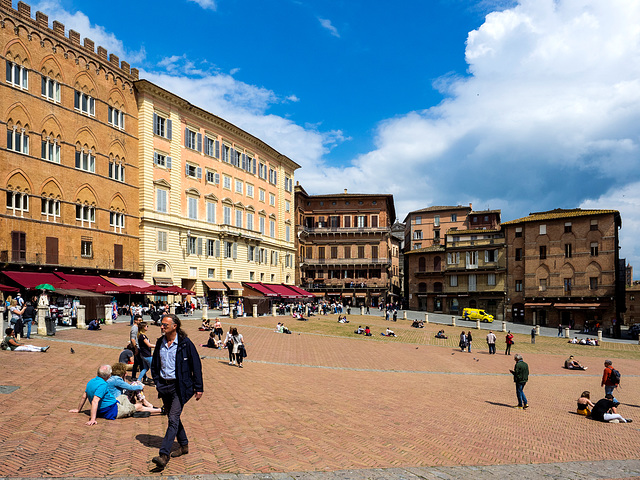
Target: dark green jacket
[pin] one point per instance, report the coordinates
(521, 372)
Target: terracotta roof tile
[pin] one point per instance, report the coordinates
(434, 248)
(559, 213)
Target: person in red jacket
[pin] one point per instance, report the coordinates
(608, 384)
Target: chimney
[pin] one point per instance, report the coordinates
(471, 205)
(345, 191)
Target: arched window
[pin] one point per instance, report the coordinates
(422, 287)
(437, 264)
(437, 287)
(422, 264)
(18, 203)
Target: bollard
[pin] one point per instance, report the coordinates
(477, 324)
(426, 318)
(274, 313)
(599, 336)
(504, 326)
(205, 312)
(453, 321)
(172, 309)
(537, 329)
(255, 310)
(80, 322)
(361, 309)
(404, 314)
(566, 332)
(306, 310)
(108, 320)
(42, 326)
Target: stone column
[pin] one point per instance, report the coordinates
(599, 336)
(504, 326)
(42, 327)
(80, 319)
(306, 310)
(108, 320)
(453, 321)
(566, 332)
(537, 329)
(172, 309)
(404, 314)
(205, 312)
(255, 310)
(274, 311)
(477, 324)
(426, 318)
(361, 310)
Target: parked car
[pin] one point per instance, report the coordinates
(476, 314)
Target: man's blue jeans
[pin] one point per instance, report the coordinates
(522, 400)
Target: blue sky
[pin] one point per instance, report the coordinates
(522, 105)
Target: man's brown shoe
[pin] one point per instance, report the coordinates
(161, 461)
(183, 450)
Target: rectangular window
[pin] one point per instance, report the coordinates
(436, 221)
(50, 209)
(334, 252)
(211, 250)
(518, 232)
(226, 182)
(249, 190)
(229, 274)
(273, 176)
(262, 220)
(192, 208)
(239, 218)
(116, 221)
(518, 285)
(473, 282)
(454, 217)
(251, 253)
(347, 251)
(287, 233)
(417, 235)
(567, 285)
(161, 160)
(213, 177)
(543, 284)
(567, 227)
(418, 220)
(272, 200)
(226, 215)
(211, 147)
(17, 75)
(361, 251)
(472, 259)
(161, 200)
(50, 150)
(162, 126)
(543, 229)
(347, 221)
(491, 279)
(116, 171)
(18, 140)
(162, 241)
(211, 212)
(261, 195)
(226, 153)
(86, 161)
(239, 186)
(594, 225)
(211, 272)
(288, 184)
(320, 253)
(567, 250)
(86, 248)
(192, 245)
(249, 221)
(262, 171)
(453, 281)
(543, 252)
(436, 236)
(490, 256)
(593, 283)
(51, 89)
(518, 254)
(272, 228)
(86, 215)
(116, 118)
(360, 221)
(85, 103)
(191, 139)
(594, 249)
(192, 171)
(287, 206)
(374, 252)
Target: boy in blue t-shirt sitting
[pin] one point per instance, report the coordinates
(103, 403)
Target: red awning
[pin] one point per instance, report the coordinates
(579, 306)
(85, 282)
(30, 280)
(234, 286)
(263, 289)
(215, 286)
(300, 291)
(7, 288)
(136, 282)
(283, 291)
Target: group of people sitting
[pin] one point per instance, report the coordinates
(441, 334)
(573, 364)
(280, 328)
(299, 316)
(388, 333)
(417, 324)
(604, 410)
(342, 319)
(112, 397)
(584, 341)
(366, 331)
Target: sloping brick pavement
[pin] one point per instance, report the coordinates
(312, 403)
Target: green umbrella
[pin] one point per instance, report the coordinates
(45, 286)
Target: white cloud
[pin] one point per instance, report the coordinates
(79, 22)
(327, 25)
(206, 4)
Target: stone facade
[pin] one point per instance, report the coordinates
(216, 202)
(69, 157)
(563, 268)
(345, 247)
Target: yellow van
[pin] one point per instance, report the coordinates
(476, 314)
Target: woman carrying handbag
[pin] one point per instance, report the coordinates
(238, 346)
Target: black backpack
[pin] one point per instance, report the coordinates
(615, 376)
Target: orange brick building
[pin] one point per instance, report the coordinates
(345, 248)
(563, 268)
(68, 160)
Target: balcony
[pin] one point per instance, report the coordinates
(339, 285)
(339, 230)
(345, 261)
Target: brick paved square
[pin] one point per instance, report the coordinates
(319, 402)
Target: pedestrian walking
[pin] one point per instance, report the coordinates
(463, 341)
(560, 330)
(228, 343)
(533, 335)
(469, 340)
(610, 378)
(238, 346)
(177, 373)
(491, 342)
(520, 376)
(509, 340)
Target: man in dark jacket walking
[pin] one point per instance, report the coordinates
(520, 377)
(177, 373)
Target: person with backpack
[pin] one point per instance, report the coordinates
(610, 378)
